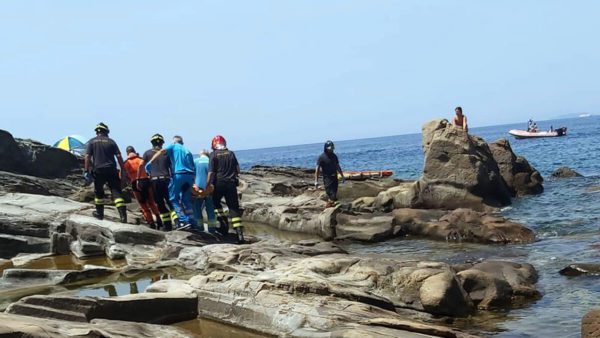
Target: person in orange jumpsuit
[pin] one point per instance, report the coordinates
(142, 189)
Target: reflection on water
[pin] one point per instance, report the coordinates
(124, 286)
(205, 328)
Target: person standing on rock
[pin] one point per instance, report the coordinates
(101, 165)
(223, 174)
(160, 177)
(142, 189)
(203, 199)
(460, 120)
(329, 165)
(180, 188)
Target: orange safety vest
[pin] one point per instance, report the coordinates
(132, 165)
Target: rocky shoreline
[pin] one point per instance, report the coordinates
(311, 288)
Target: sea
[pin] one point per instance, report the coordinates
(566, 219)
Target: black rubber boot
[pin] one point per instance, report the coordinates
(223, 225)
(122, 214)
(240, 234)
(99, 213)
(153, 226)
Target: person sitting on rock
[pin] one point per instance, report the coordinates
(460, 120)
(329, 165)
(142, 189)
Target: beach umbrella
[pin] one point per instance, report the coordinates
(70, 143)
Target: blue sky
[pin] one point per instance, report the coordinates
(269, 73)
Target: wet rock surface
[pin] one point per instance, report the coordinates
(581, 269)
(565, 172)
(520, 177)
(461, 225)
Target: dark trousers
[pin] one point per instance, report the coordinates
(160, 188)
(228, 189)
(331, 187)
(103, 176)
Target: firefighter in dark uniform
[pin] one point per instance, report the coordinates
(223, 173)
(329, 164)
(160, 176)
(100, 165)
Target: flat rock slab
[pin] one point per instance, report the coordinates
(461, 225)
(366, 227)
(119, 232)
(11, 245)
(256, 305)
(12, 325)
(162, 308)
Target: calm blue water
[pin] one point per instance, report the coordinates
(566, 217)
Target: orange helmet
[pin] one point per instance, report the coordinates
(218, 140)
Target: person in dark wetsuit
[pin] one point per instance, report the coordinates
(160, 176)
(223, 173)
(101, 165)
(329, 165)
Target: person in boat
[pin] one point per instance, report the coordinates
(529, 124)
(534, 128)
(460, 120)
(329, 165)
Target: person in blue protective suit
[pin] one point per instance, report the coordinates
(180, 188)
(202, 199)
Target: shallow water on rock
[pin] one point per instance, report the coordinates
(69, 262)
(205, 328)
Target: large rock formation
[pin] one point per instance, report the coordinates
(463, 171)
(459, 170)
(301, 289)
(519, 175)
(32, 158)
(284, 199)
(31, 167)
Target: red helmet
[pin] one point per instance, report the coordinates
(218, 140)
